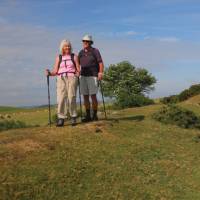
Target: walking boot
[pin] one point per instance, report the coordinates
(94, 116)
(60, 122)
(87, 117)
(73, 121)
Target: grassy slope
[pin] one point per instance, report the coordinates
(133, 157)
(192, 104)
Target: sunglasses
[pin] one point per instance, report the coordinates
(85, 41)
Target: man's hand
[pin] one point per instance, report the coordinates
(100, 76)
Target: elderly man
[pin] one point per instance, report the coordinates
(91, 73)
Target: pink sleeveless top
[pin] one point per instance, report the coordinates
(67, 66)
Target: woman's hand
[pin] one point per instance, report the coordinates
(77, 73)
(47, 72)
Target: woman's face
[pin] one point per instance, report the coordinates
(66, 49)
(86, 44)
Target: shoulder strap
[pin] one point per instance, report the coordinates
(73, 61)
(60, 60)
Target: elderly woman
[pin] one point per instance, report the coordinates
(67, 70)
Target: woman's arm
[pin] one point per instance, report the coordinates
(77, 65)
(55, 69)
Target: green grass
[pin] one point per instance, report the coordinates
(131, 157)
(7, 109)
(30, 116)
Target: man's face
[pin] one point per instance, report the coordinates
(86, 44)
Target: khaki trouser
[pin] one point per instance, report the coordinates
(66, 96)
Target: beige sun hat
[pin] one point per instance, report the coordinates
(88, 38)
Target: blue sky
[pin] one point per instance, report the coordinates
(160, 35)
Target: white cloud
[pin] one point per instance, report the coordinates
(131, 33)
(163, 39)
(119, 34)
(26, 50)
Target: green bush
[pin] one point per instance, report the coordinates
(11, 124)
(127, 101)
(178, 116)
(170, 100)
(184, 95)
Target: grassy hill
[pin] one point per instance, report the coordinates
(192, 103)
(128, 156)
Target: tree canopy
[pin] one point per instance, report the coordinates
(128, 85)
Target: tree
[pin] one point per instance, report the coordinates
(128, 85)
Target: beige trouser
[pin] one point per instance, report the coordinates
(66, 96)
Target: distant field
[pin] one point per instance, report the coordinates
(31, 116)
(128, 156)
(6, 109)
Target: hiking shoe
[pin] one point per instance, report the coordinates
(60, 122)
(73, 121)
(87, 117)
(94, 116)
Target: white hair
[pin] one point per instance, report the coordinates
(63, 43)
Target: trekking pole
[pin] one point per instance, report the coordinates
(104, 107)
(49, 101)
(79, 90)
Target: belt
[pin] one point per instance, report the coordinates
(65, 74)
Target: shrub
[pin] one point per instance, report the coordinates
(184, 95)
(11, 124)
(178, 116)
(126, 101)
(170, 100)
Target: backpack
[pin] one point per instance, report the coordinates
(72, 59)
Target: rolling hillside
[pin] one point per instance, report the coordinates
(193, 104)
(128, 156)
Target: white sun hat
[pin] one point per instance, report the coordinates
(88, 38)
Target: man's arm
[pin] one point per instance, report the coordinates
(100, 63)
(101, 69)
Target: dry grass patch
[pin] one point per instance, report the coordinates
(26, 145)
